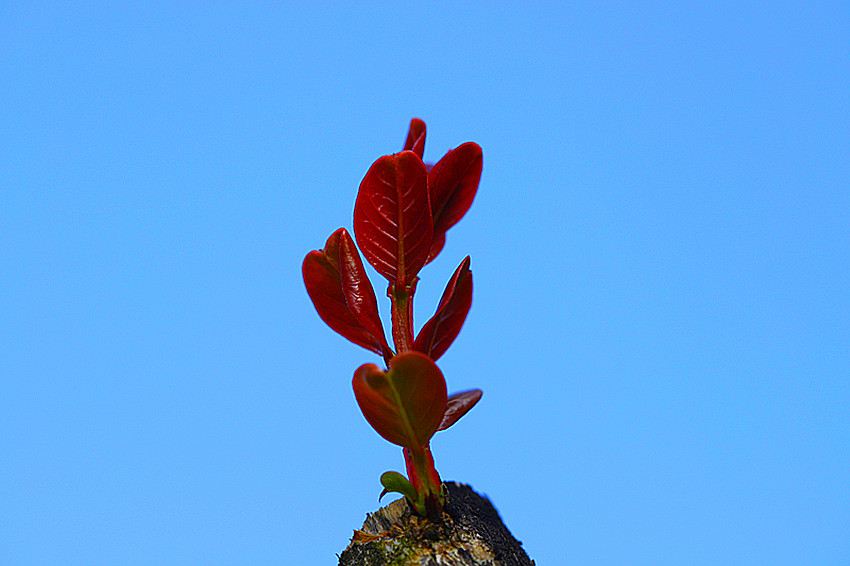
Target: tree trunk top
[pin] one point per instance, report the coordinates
(471, 534)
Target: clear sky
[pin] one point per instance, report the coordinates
(660, 246)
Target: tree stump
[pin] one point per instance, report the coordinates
(471, 534)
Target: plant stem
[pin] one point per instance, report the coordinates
(426, 481)
(402, 316)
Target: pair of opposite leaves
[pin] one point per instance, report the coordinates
(401, 215)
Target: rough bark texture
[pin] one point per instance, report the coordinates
(471, 534)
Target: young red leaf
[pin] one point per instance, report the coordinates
(437, 243)
(457, 405)
(452, 184)
(439, 332)
(416, 137)
(342, 294)
(406, 404)
(392, 217)
(359, 295)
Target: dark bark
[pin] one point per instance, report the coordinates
(471, 534)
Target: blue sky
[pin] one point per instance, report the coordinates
(659, 243)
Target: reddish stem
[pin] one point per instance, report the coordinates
(425, 479)
(402, 316)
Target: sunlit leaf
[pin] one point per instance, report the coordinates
(437, 243)
(334, 294)
(441, 330)
(416, 137)
(457, 405)
(406, 404)
(452, 184)
(392, 217)
(359, 295)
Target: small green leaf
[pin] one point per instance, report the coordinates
(396, 483)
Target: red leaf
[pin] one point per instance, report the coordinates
(392, 217)
(342, 294)
(437, 244)
(452, 184)
(457, 405)
(439, 332)
(359, 295)
(416, 137)
(406, 404)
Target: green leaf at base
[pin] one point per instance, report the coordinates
(394, 482)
